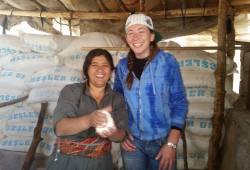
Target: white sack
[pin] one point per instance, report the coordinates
(91, 39)
(200, 60)
(11, 44)
(55, 76)
(30, 62)
(198, 78)
(21, 114)
(199, 126)
(5, 111)
(200, 94)
(50, 109)
(7, 95)
(195, 60)
(194, 143)
(168, 44)
(14, 79)
(76, 61)
(26, 129)
(44, 94)
(20, 143)
(49, 44)
(200, 110)
(5, 60)
(196, 160)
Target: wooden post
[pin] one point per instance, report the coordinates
(230, 49)
(218, 117)
(245, 77)
(36, 138)
(184, 145)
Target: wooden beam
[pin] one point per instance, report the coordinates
(242, 10)
(68, 15)
(220, 73)
(190, 12)
(163, 48)
(240, 2)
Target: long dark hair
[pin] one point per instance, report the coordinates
(131, 58)
(94, 53)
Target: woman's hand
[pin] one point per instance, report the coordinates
(167, 157)
(127, 144)
(97, 118)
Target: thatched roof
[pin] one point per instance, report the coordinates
(171, 17)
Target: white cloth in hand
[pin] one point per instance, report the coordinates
(106, 127)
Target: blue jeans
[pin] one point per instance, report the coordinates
(144, 156)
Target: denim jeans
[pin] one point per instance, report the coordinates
(144, 156)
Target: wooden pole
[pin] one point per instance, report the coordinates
(21, 99)
(218, 117)
(184, 145)
(36, 138)
(230, 50)
(245, 77)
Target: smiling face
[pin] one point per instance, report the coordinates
(139, 38)
(99, 72)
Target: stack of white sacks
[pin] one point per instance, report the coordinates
(198, 73)
(19, 63)
(39, 66)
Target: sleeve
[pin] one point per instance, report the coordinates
(178, 99)
(118, 79)
(66, 105)
(120, 113)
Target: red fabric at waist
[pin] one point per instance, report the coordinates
(89, 147)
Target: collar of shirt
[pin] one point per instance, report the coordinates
(87, 92)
